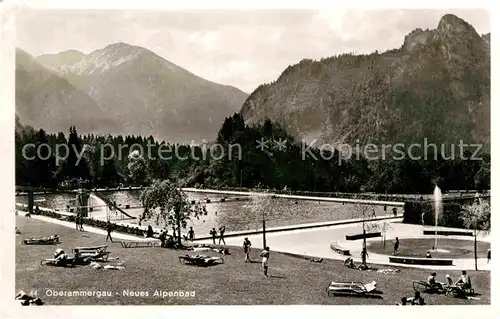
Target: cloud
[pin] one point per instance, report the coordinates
(239, 48)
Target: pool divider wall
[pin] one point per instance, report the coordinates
(448, 233)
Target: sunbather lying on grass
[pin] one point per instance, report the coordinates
(60, 257)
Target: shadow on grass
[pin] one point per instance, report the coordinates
(276, 276)
(368, 296)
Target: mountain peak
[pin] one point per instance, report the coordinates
(122, 49)
(453, 25)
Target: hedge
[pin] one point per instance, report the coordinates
(449, 217)
(136, 231)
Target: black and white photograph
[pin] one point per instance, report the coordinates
(336, 157)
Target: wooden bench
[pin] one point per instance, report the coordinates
(335, 247)
(420, 261)
(139, 244)
(360, 236)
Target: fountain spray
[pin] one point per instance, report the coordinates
(438, 199)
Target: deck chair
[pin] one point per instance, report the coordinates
(52, 240)
(94, 253)
(352, 288)
(422, 285)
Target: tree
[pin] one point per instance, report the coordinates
(137, 167)
(44, 164)
(163, 199)
(476, 217)
(482, 179)
(72, 167)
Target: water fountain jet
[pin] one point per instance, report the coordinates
(438, 204)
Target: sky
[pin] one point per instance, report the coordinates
(242, 48)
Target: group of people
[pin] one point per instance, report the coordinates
(464, 282)
(416, 300)
(213, 233)
(265, 254)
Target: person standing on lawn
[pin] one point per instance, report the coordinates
(191, 234)
(77, 221)
(488, 256)
(396, 247)
(213, 233)
(221, 234)
(246, 249)
(109, 229)
(265, 258)
(364, 255)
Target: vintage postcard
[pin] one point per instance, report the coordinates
(254, 156)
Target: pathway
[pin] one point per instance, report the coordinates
(91, 229)
(316, 243)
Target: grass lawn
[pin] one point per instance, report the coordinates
(418, 247)
(293, 280)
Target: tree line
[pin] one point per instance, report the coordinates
(103, 161)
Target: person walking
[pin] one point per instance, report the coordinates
(396, 247)
(364, 255)
(77, 221)
(488, 256)
(213, 233)
(191, 234)
(221, 234)
(109, 229)
(81, 223)
(265, 259)
(246, 249)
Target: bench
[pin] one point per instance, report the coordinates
(420, 261)
(448, 233)
(139, 244)
(94, 253)
(360, 236)
(340, 250)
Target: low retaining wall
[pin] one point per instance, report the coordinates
(420, 261)
(298, 227)
(360, 236)
(448, 233)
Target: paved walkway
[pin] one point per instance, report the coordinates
(91, 229)
(316, 243)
